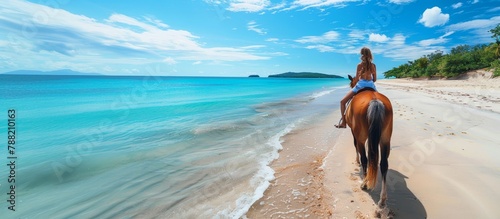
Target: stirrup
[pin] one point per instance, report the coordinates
(339, 126)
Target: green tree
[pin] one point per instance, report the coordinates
(461, 59)
(461, 49)
(496, 35)
(434, 56)
(496, 66)
(434, 62)
(420, 67)
(422, 62)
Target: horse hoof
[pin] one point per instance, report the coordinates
(381, 204)
(384, 213)
(364, 186)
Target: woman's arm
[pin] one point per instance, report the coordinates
(374, 73)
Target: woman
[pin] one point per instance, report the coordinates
(366, 72)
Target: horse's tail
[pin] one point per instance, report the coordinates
(376, 112)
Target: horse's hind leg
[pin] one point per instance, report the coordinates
(384, 166)
(356, 147)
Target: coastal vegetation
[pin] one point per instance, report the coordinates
(303, 75)
(461, 59)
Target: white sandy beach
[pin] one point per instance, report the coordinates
(444, 160)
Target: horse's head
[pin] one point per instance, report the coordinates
(353, 80)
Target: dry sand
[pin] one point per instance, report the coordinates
(444, 162)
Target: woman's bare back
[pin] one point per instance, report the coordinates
(369, 75)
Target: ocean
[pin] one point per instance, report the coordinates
(142, 147)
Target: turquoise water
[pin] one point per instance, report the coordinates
(175, 147)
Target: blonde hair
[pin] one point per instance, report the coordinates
(366, 60)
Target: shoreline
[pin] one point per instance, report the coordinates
(443, 160)
(298, 187)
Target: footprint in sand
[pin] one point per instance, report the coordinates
(360, 215)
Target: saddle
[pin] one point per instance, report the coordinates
(365, 89)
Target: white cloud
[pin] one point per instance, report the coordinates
(252, 47)
(356, 34)
(448, 34)
(319, 42)
(320, 3)
(474, 1)
(272, 39)
(278, 6)
(248, 5)
(409, 52)
(434, 41)
(457, 5)
(398, 39)
(433, 17)
(494, 9)
(378, 38)
(123, 19)
(170, 61)
(261, 6)
(321, 48)
(221, 54)
(399, 2)
(156, 22)
(475, 24)
(394, 47)
(252, 26)
(397, 48)
(118, 39)
(478, 28)
(327, 37)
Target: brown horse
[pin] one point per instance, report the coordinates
(370, 118)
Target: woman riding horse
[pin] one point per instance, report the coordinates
(369, 115)
(366, 73)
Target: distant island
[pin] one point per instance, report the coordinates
(303, 75)
(57, 72)
(254, 76)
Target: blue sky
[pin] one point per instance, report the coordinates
(233, 37)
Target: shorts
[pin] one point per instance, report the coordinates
(363, 84)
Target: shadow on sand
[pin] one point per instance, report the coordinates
(400, 200)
